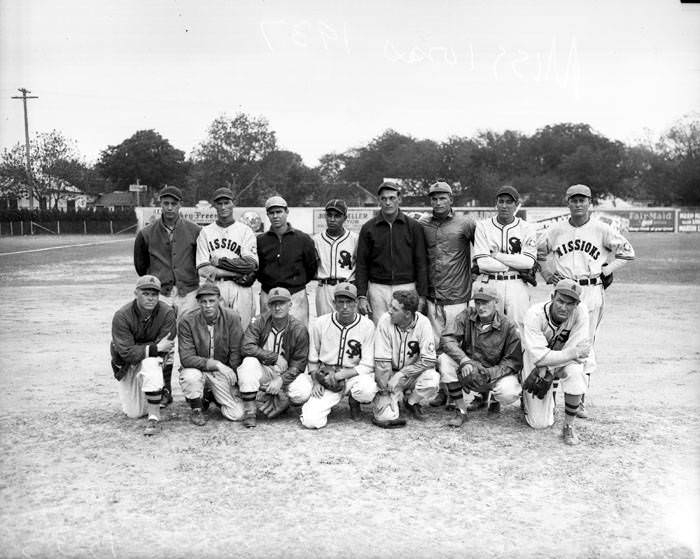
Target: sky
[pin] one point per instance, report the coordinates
(331, 75)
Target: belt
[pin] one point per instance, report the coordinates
(503, 276)
(225, 278)
(331, 281)
(588, 281)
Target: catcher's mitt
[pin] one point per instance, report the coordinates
(325, 376)
(606, 280)
(530, 276)
(538, 385)
(475, 380)
(270, 405)
(245, 280)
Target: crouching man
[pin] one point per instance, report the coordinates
(275, 354)
(210, 351)
(483, 355)
(556, 344)
(404, 356)
(341, 359)
(143, 334)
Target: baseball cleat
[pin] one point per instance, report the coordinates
(198, 418)
(494, 407)
(570, 436)
(415, 410)
(477, 403)
(166, 399)
(439, 400)
(250, 420)
(389, 423)
(458, 420)
(152, 428)
(581, 412)
(355, 408)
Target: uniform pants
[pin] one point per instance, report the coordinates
(238, 298)
(181, 303)
(300, 305)
(146, 376)
(314, 413)
(594, 298)
(324, 299)
(419, 391)
(442, 317)
(222, 385)
(254, 376)
(379, 296)
(513, 297)
(506, 390)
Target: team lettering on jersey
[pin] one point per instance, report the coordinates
(354, 349)
(345, 260)
(227, 244)
(578, 245)
(413, 349)
(514, 245)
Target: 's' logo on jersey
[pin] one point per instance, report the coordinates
(354, 349)
(345, 259)
(515, 245)
(413, 349)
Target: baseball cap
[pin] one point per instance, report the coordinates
(222, 192)
(173, 191)
(440, 186)
(346, 290)
(278, 294)
(484, 293)
(569, 287)
(337, 204)
(509, 190)
(386, 185)
(575, 189)
(148, 282)
(208, 289)
(275, 202)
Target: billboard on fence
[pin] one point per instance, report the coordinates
(689, 220)
(648, 220)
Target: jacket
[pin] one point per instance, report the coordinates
(193, 339)
(391, 254)
(135, 334)
(171, 261)
(289, 262)
(295, 344)
(447, 242)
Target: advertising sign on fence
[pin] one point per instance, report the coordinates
(648, 219)
(689, 221)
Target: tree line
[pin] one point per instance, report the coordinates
(242, 152)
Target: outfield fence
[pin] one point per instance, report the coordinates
(70, 227)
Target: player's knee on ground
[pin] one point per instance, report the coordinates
(573, 379)
(192, 383)
(539, 414)
(314, 413)
(249, 373)
(151, 371)
(448, 368)
(507, 390)
(131, 396)
(232, 410)
(299, 390)
(362, 388)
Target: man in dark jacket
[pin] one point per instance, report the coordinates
(209, 340)
(275, 354)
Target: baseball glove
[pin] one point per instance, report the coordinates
(530, 276)
(245, 280)
(606, 280)
(538, 385)
(325, 376)
(270, 405)
(476, 379)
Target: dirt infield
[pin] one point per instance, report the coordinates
(80, 480)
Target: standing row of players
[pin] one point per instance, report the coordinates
(400, 267)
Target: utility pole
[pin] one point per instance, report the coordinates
(24, 98)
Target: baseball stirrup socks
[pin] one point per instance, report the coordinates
(454, 390)
(154, 397)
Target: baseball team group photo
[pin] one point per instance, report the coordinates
(349, 280)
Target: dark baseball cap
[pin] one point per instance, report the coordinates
(578, 189)
(387, 185)
(222, 192)
(509, 190)
(172, 191)
(337, 204)
(208, 289)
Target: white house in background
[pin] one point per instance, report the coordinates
(71, 199)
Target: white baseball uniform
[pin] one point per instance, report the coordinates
(579, 253)
(516, 238)
(410, 353)
(539, 337)
(233, 241)
(332, 343)
(336, 263)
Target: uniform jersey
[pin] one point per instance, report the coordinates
(336, 255)
(580, 252)
(233, 241)
(274, 341)
(518, 237)
(347, 346)
(404, 347)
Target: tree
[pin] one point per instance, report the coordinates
(146, 157)
(52, 162)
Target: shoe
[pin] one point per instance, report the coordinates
(281, 406)
(207, 399)
(152, 428)
(570, 436)
(198, 418)
(250, 420)
(415, 410)
(390, 423)
(477, 403)
(439, 400)
(355, 408)
(582, 412)
(166, 399)
(458, 420)
(450, 405)
(494, 407)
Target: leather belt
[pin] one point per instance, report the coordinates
(331, 281)
(588, 281)
(503, 276)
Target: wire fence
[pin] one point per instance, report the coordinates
(69, 227)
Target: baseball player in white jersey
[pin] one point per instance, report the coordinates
(344, 342)
(581, 249)
(227, 253)
(555, 346)
(405, 357)
(505, 250)
(336, 248)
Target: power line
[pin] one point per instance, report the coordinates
(24, 98)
